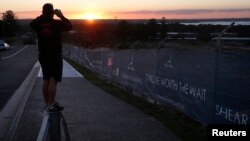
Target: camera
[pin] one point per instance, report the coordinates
(56, 11)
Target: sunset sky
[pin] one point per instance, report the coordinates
(133, 9)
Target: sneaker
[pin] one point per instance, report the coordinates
(55, 108)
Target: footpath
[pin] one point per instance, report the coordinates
(91, 114)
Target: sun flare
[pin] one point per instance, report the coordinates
(90, 16)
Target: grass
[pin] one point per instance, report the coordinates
(184, 127)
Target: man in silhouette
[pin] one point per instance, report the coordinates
(50, 48)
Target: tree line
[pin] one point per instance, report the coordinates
(98, 32)
(9, 24)
(103, 32)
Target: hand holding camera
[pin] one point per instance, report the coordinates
(58, 13)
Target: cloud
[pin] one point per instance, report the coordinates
(184, 11)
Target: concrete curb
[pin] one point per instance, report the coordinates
(13, 110)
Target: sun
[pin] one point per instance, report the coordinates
(90, 16)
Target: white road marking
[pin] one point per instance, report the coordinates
(15, 53)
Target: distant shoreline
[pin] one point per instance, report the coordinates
(181, 21)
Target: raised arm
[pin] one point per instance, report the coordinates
(65, 24)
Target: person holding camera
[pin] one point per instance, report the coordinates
(50, 51)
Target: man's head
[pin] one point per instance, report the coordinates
(48, 10)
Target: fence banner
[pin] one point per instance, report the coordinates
(208, 86)
(232, 100)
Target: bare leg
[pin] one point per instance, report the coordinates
(52, 90)
(46, 91)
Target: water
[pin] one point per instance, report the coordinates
(217, 23)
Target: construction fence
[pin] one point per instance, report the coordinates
(208, 84)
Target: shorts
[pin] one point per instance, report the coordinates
(51, 67)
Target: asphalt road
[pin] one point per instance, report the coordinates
(15, 65)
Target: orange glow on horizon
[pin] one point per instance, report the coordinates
(90, 16)
(130, 9)
(113, 15)
(97, 15)
(86, 16)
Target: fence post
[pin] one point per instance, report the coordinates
(221, 33)
(162, 41)
(130, 65)
(55, 126)
(218, 48)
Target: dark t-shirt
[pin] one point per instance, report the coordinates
(49, 34)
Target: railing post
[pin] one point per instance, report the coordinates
(55, 126)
